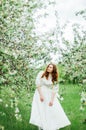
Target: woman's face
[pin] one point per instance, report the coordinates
(50, 68)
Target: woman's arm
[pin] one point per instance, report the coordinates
(38, 85)
(41, 94)
(52, 96)
(54, 92)
(52, 99)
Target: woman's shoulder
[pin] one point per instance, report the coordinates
(40, 72)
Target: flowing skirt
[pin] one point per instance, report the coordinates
(45, 116)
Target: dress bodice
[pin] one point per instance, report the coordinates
(45, 82)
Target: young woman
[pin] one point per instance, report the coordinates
(47, 113)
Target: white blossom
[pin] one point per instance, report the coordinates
(18, 117)
(1, 100)
(6, 105)
(17, 110)
(81, 108)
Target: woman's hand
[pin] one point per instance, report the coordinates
(41, 98)
(51, 103)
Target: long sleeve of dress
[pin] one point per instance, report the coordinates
(38, 79)
(56, 90)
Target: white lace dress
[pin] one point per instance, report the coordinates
(45, 116)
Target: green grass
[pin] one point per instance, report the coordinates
(71, 105)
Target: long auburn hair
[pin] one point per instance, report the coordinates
(54, 73)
